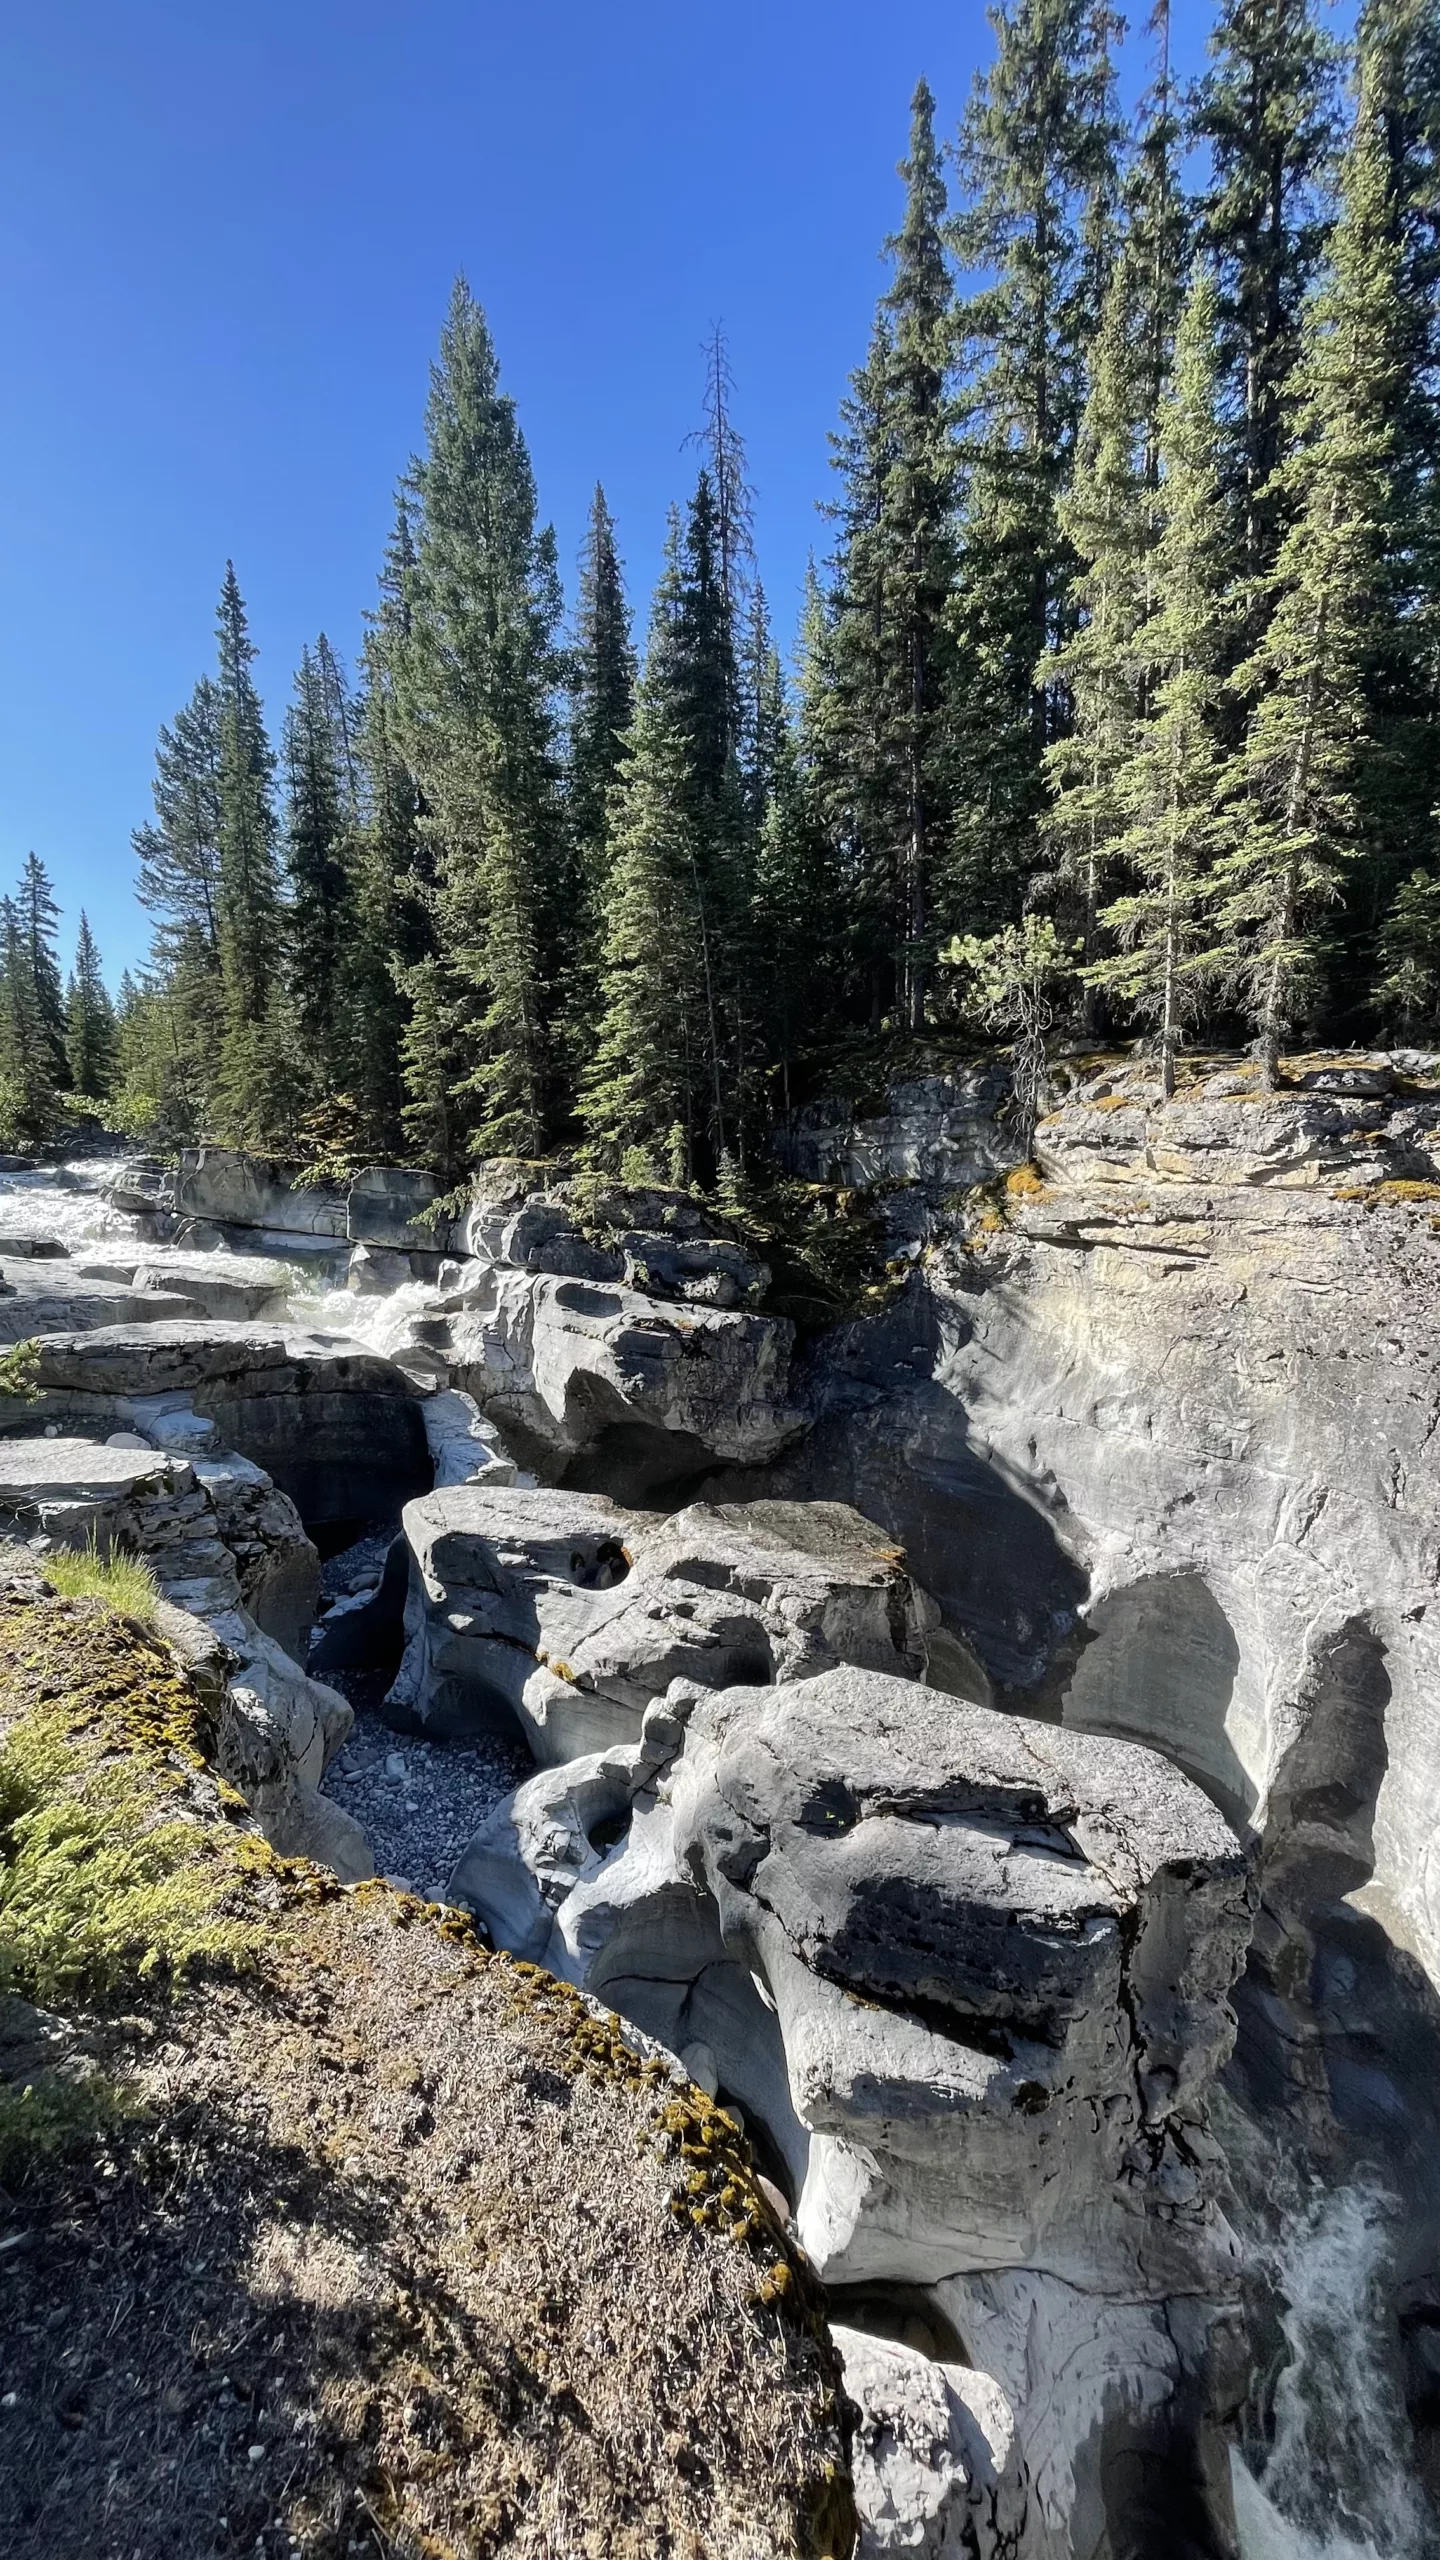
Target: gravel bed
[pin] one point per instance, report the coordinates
(420, 1802)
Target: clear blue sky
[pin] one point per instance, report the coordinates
(226, 241)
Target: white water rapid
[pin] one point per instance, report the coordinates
(1336, 2483)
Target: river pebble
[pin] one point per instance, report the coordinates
(421, 1806)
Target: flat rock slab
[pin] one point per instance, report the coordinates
(83, 1470)
(338, 1427)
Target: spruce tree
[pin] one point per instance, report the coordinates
(474, 674)
(1038, 159)
(1157, 233)
(249, 897)
(602, 697)
(1398, 786)
(1296, 823)
(29, 1105)
(894, 571)
(39, 918)
(1268, 113)
(320, 820)
(1105, 519)
(179, 852)
(1171, 787)
(89, 1022)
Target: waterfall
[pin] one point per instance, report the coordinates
(1336, 2484)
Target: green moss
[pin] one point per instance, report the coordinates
(55, 2114)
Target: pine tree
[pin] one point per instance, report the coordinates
(1398, 786)
(29, 1107)
(675, 918)
(602, 698)
(894, 570)
(1157, 234)
(474, 678)
(39, 918)
(1105, 519)
(89, 1022)
(1170, 789)
(1267, 110)
(1306, 680)
(1038, 157)
(320, 825)
(179, 854)
(249, 898)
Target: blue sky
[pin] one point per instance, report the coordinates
(226, 242)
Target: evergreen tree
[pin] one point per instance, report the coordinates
(1398, 786)
(1157, 234)
(674, 911)
(894, 571)
(474, 676)
(249, 900)
(1105, 519)
(1296, 823)
(319, 830)
(734, 501)
(39, 919)
(29, 1107)
(1170, 789)
(1038, 156)
(179, 854)
(602, 695)
(89, 1022)
(1267, 111)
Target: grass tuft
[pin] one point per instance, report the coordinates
(125, 1581)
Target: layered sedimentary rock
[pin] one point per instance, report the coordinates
(569, 1614)
(338, 1427)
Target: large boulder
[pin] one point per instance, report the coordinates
(561, 1363)
(227, 1189)
(337, 1427)
(384, 1206)
(42, 1294)
(569, 1614)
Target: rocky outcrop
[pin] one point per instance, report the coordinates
(562, 1365)
(234, 1286)
(239, 1581)
(568, 1614)
(43, 1293)
(943, 1130)
(936, 2467)
(337, 1427)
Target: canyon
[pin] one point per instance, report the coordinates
(990, 1740)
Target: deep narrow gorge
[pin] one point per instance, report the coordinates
(990, 1742)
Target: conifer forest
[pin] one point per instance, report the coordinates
(1115, 700)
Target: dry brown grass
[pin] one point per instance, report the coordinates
(397, 2250)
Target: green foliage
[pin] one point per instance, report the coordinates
(89, 1023)
(1409, 988)
(20, 1371)
(98, 1890)
(1016, 981)
(57, 2113)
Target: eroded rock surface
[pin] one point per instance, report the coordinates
(571, 1614)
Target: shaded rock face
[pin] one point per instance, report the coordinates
(338, 1428)
(569, 1614)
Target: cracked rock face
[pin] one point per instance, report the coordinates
(569, 1614)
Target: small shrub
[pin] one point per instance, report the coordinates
(19, 1372)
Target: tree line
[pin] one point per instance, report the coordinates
(1117, 693)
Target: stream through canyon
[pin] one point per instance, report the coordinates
(992, 1743)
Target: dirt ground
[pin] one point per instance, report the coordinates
(393, 2247)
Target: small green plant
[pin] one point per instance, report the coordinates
(53, 2114)
(98, 1890)
(20, 1372)
(126, 1581)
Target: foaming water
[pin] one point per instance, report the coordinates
(65, 1202)
(1337, 2481)
(381, 1323)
